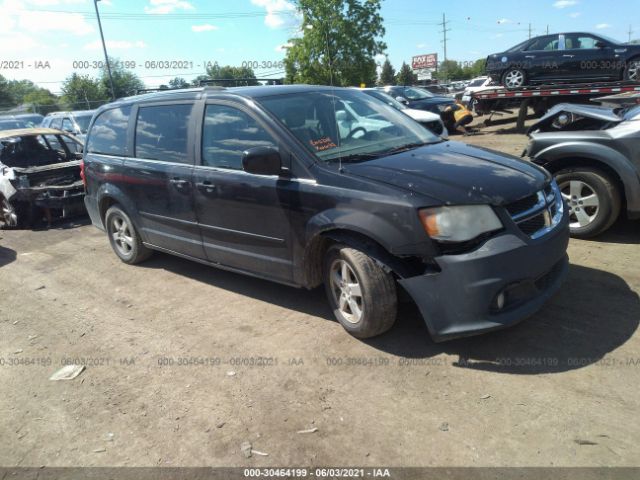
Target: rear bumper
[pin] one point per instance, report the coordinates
(460, 300)
(91, 205)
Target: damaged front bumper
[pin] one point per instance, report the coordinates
(464, 297)
(52, 196)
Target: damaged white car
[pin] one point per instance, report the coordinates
(40, 176)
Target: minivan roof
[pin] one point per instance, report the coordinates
(198, 92)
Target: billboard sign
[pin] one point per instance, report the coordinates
(427, 61)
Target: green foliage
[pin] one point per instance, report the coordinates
(6, 98)
(406, 76)
(42, 100)
(125, 82)
(81, 92)
(227, 72)
(453, 70)
(340, 39)
(178, 82)
(387, 74)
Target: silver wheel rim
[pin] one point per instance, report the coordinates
(513, 79)
(346, 290)
(584, 204)
(121, 235)
(634, 71)
(9, 215)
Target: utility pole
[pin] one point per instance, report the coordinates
(104, 48)
(547, 29)
(529, 30)
(630, 32)
(444, 35)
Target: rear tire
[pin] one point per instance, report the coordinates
(362, 295)
(632, 71)
(593, 199)
(124, 237)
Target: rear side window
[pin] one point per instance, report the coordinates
(109, 132)
(56, 123)
(161, 133)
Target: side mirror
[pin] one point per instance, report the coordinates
(262, 161)
(402, 100)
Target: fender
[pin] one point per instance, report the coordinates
(111, 191)
(551, 156)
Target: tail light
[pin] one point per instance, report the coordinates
(82, 175)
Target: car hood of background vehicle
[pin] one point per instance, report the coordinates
(422, 115)
(456, 173)
(429, 102)
(596, 112)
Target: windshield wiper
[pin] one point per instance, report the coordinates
(404, 148)
(354, 157)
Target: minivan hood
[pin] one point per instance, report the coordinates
(456, 173)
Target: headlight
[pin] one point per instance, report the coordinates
(459, 223)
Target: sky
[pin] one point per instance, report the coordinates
(47, 40)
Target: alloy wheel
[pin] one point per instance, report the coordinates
(346, 290)
(633, 73)
(583, 202)
(121, 234)
(514, 79)
(9, 215)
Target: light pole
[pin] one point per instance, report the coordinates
(104, 48)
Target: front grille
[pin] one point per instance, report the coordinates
(538, 214)
(435, 127)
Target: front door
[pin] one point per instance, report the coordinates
(158, 178)
(244, 218)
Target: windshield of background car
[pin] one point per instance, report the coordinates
(341, 123)
(83, 121)
(385, 97)
(417, 94)
(477, 83)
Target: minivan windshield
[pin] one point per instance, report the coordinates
(346, 125)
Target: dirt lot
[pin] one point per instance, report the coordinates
(560, 389)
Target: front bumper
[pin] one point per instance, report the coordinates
(58, 197)
(459, 300)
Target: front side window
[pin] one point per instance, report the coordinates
(161, 133)
(227, 132)
(56, 123)
(328, 124)
(545, 43)
(109, 132)
(67, 126)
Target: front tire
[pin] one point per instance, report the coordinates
(593, 199)
(362, 295)
(632, 72)
(514, 78)
(124, 237)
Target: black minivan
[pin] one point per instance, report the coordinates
(281, 182)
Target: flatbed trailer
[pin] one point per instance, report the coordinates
(543, 97)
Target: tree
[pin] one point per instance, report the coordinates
(406, 76)
(387, 74)
(339, 42)
(178, 82)
(241, 75)
(83, 92)
(125, 82)
(42, 100)
(6, 98)
(196, 81)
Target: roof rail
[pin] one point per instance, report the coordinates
(150, 90)
(237, 82)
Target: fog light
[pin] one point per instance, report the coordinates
(500, 300)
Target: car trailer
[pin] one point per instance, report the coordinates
(543, 97)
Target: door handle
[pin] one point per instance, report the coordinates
(207, 186)
(179, 182)
(568, 56)
(529, 56)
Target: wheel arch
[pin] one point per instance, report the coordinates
(322, 241)
(598, 157)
